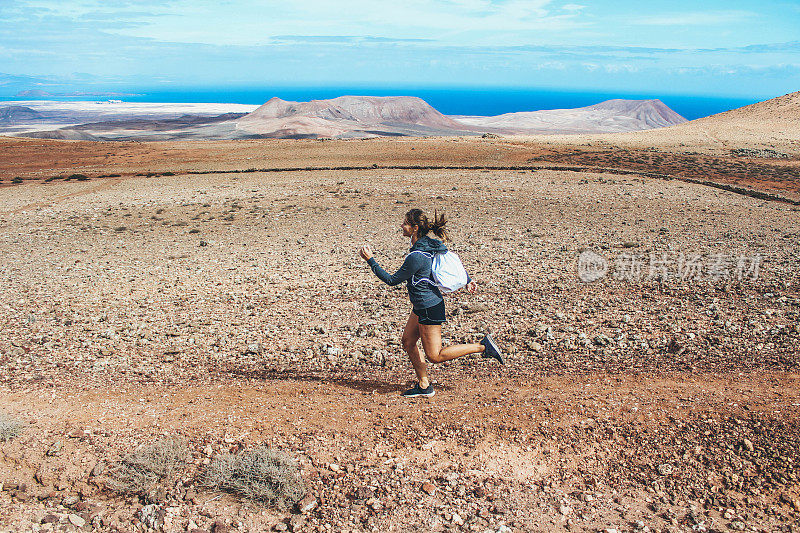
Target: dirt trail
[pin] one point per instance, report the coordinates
(338, 404)
(102, 185)
(517, 444)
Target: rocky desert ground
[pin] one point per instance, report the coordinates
(218, 312)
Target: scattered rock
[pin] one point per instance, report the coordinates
(43, 477)
(152, 516)
(76, 520)
(98, 469)
(475, 308)
(500, 508)
(296, 523)
(50, 519)
(791, 501)
(55, 449)
(601, 340)
(219, 526)
(305, 505)
(428, 488)
(156, 495)
(429, 445)
(191, 495)
(675, 347)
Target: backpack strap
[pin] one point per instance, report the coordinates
(420, 280)
(426, 254)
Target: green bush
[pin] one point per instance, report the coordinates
(259, 473)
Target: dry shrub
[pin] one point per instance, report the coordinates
(259, 473)
(141, 470)
(9, 428)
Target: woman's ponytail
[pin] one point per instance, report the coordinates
(416, 217)
(437, 227)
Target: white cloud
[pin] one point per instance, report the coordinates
(416, 41)
(616, 68)
(697, 18)
(253, 22)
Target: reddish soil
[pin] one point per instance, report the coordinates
(232, 310)
(497, 451)
(42, 159)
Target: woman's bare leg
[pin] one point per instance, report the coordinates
(432, 344)
(410, 338)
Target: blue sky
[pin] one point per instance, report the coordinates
(730, 48)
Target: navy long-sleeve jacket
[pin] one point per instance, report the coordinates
(416, 272)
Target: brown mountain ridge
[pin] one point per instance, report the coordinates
(343, 117)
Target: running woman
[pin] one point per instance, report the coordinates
(427, 314)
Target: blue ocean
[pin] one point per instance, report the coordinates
(450, 101)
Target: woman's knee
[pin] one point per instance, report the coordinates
(434, 357)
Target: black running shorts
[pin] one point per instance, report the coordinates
(431, 316)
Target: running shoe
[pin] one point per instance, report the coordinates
(492, 350)
(419, 391)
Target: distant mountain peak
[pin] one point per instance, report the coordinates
(347, 113)
(18, 113)
(611, 116)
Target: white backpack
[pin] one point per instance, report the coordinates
(449, 274)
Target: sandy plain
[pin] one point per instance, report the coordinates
(230, 308)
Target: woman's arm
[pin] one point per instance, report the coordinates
(410, 266)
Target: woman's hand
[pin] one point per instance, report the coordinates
(365, 252)
(472, 286)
